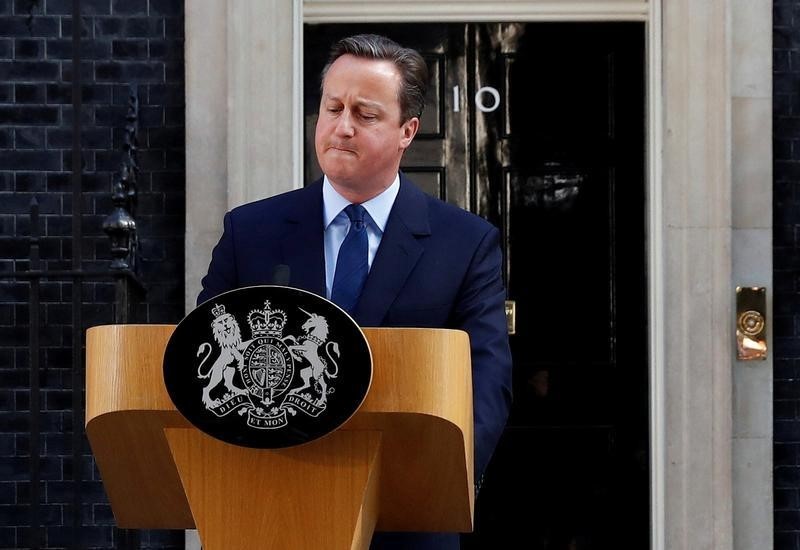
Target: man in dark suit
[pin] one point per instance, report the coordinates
(369, 239)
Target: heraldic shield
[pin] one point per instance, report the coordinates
(267, 367)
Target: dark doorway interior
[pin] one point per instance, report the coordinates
(540, 129)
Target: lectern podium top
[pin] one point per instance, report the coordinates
(419, 404)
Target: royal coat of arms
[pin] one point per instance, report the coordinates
(267, 366)
(256, 374)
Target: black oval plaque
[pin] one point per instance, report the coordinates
(267, 367)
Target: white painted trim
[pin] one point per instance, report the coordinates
(298, 94)
(655, 244)
(236, 21)
(338, 11)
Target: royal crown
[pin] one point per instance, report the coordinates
(267, 322)
(218, 310)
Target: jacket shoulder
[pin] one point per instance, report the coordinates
(451, 218)
(276, 204)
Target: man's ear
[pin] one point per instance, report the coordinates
(409, 129)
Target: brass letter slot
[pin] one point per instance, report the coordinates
(751, 323)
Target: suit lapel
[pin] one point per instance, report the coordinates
(302, 244)
(398, 253)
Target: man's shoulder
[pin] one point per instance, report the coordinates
(451, 218)
(275, 205)
(453, 212)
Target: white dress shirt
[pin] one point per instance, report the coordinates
(337, 224)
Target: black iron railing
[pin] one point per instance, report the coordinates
(120, 226)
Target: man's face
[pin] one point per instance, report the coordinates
(359, 138)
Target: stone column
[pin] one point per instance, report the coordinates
(751, 116)
(241, 137)
(696, 267)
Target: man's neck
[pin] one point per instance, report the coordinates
(361, 195)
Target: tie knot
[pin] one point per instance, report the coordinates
(356, 214)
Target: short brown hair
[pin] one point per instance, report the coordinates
(410, 64)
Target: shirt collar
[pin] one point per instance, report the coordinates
(378, 207)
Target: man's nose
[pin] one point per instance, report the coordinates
(344, 126)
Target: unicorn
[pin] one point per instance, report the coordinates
(316, 334)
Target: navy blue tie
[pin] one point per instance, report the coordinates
(351, 265)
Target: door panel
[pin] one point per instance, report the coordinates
(558, 166)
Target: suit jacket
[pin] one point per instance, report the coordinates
(436, 266)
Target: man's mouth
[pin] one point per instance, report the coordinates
(342, 149)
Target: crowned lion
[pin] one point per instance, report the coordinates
(229, 337)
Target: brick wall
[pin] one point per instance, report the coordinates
(786, 279)
(124, 42)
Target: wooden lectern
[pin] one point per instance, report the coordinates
(403, 462)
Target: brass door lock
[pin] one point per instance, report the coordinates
(511, 316)
(751, 323)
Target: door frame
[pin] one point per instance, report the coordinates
(692, 222)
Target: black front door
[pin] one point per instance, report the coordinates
(540, 129)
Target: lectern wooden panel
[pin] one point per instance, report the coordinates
(127, 409)
(403, 462)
